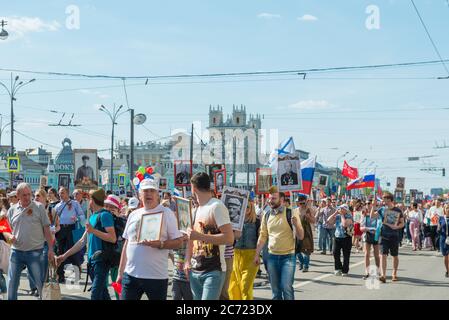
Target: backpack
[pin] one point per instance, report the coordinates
(112, 252)
(298, 243)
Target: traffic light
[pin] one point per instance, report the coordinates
(444, 172)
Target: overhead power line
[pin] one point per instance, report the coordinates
(298, 72)
(430, 38)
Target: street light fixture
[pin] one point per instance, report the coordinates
(352, 159)
(3, 34)
(12, 91)
(113, 116)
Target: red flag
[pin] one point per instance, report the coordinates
(4, 226)
(350, 172)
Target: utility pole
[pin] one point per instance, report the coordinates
(191, 146)
(131, 149)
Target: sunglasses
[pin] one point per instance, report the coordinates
(302, 203)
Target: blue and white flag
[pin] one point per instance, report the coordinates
(285, 148)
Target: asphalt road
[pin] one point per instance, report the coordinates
(421, 277)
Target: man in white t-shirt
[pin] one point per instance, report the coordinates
(144, 263)
(432, 217)
(205, 264)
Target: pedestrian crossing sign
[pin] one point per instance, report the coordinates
(13, 164)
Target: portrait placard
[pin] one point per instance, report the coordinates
(219, 181)
(183, 213)
(150, 227)
(182, 173)
(236, 200)
(86, 168)
(264, 180)
(289, 173)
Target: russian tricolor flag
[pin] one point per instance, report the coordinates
(307, 172)
(368, 181)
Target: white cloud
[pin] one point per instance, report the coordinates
(18, 27)
(269, 16)
(310, 105)
(307, 17)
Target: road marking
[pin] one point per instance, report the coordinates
(324, 276)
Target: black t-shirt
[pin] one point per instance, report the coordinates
(393, 216)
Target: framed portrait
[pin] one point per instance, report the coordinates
(64, 180)
(150, 227)
(289, 173)
(391, 217)
(121, 180)
(236, 200)
(264, 180)
(323, 180)
(400, 183)
(219, 181)
(163, 184)
(398, 195)
(182, 172)
(183, 213)
(210, 168)
(43, 181)
(407, 200)
(86, 168)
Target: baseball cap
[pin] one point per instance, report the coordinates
(149, 184)
(113, 200)
(133, 203)
(344, 206)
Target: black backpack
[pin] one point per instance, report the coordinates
(112, 252)
(298, 243)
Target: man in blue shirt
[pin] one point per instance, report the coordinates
(68, 211)
(393, 221)
(99, 269)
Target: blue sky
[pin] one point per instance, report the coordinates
(383, 120)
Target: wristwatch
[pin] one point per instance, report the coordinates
(162, 245)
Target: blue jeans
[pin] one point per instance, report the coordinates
(2, 283)
(19, 259)
(329, 235)
(208, 285)
(282, 274)
(134, 288)
(321, 237)
(99, 272)
(304, 259)
(44, 261)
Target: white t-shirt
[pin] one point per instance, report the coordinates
(208, 219)
(143, 261)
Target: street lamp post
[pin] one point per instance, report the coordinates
(135, 119)
(16, 85)
(113, 116)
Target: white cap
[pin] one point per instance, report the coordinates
(344, 206)
(12, 194)
(149, 184)
(133, 203)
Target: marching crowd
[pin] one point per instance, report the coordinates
(210, 260)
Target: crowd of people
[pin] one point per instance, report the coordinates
(210, 260)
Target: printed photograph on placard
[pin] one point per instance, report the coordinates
(182, 173)
(289, 173)
(150, 227)
(210, 168)
(264, 180)
(163, 184)
(86, 164)
(184, 213)
(236, 200)
(219, 181)
(64, 180)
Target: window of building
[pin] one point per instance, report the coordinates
(238, 120)
(215, 120)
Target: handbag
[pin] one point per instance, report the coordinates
(51, 289)
(5, 252)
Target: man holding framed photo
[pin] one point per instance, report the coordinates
(205, 264)
(393, 221)
(144, 262)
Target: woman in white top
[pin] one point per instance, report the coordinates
(416, 220)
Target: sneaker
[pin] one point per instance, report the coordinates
(32, 292)
(305, 270)
(323, 252)
(337, 272)
(300, 267)
(366, 276)
(344, 274)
